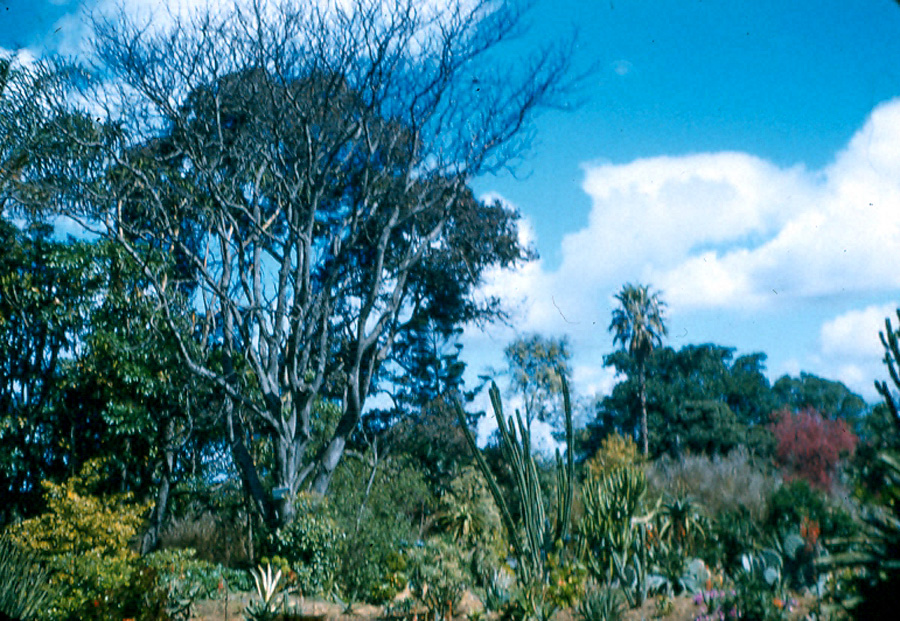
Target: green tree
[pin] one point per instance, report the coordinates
(307, 165)
(130, 377)
(699, 398)
(535, 364)
(47, 291)
(830, 398)
(638, 324)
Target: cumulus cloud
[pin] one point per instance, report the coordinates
(726, 230)
(855, 334)
(850, 349)
(730, 230)
(732, 233)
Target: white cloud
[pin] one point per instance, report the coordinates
(855, 334)
(732, 233)
(850, 349)
(22, 57)
(592, 379)
(730, 230)
(726, 230)
(72, 32)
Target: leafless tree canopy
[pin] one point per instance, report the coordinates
(305, 169)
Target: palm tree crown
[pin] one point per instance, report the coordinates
(639, 322)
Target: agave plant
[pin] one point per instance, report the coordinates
(601, 604)
(267, 588)
(23, 583)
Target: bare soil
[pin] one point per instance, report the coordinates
(684, 609)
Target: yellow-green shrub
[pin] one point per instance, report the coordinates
(86, 540)
(615, 452)
(78, 522)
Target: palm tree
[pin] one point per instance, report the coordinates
(638, 324)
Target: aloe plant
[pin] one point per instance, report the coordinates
(24, 583)
(533, 536)
(601, 604)
(615, 533)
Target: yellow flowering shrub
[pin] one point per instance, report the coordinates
(615, 452)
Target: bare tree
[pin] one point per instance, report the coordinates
(305, 170)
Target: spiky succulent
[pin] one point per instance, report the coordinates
(23, 582)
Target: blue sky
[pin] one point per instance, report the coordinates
(741, 157)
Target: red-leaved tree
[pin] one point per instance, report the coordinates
(810, 446)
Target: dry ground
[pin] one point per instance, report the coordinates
(215, 610)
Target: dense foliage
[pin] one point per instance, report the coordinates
(230, 323)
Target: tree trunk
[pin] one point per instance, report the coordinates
(330, 456)
(244, 462)
(150, 541)
(328, 462)
(645, 441)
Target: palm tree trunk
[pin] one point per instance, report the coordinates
(645, 442)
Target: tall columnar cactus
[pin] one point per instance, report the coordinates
(875, 552)
(533, 536)
(890, 339)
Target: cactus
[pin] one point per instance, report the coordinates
(534, 537)
(23, 582)
(874, 554)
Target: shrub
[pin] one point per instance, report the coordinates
(182, 574)
(797, 503)
(733, 533)
(810, 447)
(214, 537)
(85, 540)
(77, 522)
(467, 511)
(615, 451)
(436, 577)
(311, 545)
(379, 526)
(468, 514)
(734, 483)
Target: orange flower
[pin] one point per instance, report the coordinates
(810, 531)
(779, 603)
